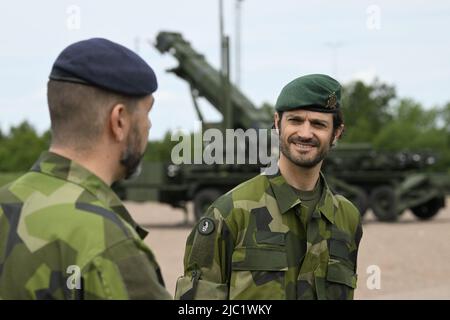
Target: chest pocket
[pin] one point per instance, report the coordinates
(258, 273)
(341, 276)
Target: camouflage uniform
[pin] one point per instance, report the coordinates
(60, 215)
(252, 245)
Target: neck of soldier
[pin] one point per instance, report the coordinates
(301, 178)
(98, 161)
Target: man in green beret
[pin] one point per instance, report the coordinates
(283, 236)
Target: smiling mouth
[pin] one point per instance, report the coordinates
(304, 146)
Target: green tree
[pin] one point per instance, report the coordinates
(160, 150)
(374, 115)
(366, 108)
(21, 147)
(411, 128)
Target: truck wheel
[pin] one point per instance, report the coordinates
(428, 209)
(360, 200)
(384, 203)
(356, 195)
(203, 199)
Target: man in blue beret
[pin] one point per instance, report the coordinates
(64, 233)
(282, 236)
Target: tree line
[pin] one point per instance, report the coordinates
(373, 114)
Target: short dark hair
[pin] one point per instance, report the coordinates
(338, 119)
(78, 112)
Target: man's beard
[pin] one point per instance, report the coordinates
(131, 158)
(299, 160)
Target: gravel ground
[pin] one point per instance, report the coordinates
(412, 257)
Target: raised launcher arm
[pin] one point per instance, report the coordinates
(206, 81)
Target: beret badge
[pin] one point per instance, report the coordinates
(331, 102)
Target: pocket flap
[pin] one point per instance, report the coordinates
(259, 259)
(340, 273)
(271, 238)
(339, 244)
(339, 249)
(205, 290)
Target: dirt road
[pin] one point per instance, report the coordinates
(411, 257)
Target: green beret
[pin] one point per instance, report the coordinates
(316, 92)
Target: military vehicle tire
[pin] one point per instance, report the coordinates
(428, 209)
(383, 202)
(360, 200)
(203, 199)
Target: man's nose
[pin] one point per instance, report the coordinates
(305, 130)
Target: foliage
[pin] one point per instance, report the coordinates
(21, 147)
(373, 113)
(160, 150)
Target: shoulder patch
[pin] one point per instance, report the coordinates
(206, 226)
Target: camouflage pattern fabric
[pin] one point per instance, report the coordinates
(59, 218)
(251, 245)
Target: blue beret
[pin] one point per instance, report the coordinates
(105, 64)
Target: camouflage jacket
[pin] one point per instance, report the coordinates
(251, 245)
(64, 234)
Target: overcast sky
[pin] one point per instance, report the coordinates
(404, 43)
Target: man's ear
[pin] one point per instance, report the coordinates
(119, 122)
(276, 119)
(338, 133)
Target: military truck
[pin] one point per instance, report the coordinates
(390, 182)
(370, 179)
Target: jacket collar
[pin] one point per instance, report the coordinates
(287, 198)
